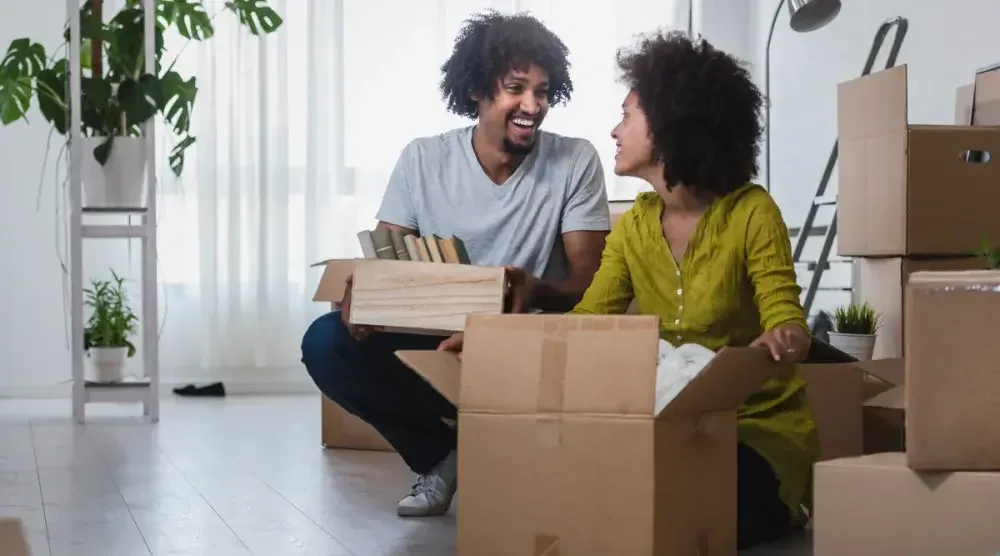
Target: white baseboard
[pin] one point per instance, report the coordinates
(284, 385)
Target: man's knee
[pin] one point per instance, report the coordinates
(325, 338)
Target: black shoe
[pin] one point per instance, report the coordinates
(214, 390)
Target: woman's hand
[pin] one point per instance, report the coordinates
(453, 344)
(788, 343)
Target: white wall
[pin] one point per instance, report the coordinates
(32, 339)
(946, 43)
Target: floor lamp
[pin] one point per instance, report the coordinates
(805, 16)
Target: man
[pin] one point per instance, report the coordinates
(518, 197)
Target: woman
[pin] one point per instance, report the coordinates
(708, 252)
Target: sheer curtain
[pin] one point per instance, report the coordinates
(296, 136)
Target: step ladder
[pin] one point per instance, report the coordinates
(822, 198)
(145, 390)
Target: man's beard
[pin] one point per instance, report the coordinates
(513, 148)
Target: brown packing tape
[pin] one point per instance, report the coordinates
(546, 545)
(551, 387)
(552, 376)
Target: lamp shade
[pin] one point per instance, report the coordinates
(809, 15)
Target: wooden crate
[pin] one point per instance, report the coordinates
(420, 297)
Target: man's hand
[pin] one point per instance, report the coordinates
(788, 343)
(522, 289)
(359, 332)
(453, 344)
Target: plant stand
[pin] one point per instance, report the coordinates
(146, 389)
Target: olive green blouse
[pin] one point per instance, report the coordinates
(735, 281)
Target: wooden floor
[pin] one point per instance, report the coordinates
(240, 476)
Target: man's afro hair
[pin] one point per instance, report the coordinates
(491, 44)
(702, 109)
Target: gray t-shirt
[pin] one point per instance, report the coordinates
(438, 187)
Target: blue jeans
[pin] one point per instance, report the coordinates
(368, 380)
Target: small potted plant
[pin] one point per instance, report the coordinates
(854, 330)
(111, 324)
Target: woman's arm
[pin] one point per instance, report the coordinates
(611, 290)
(771, 269)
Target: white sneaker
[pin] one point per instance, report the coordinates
(433, 493)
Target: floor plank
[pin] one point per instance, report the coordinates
(235, 477)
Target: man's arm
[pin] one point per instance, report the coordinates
(583, 252)
(585, 223)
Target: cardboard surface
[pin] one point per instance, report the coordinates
(549, 416)
(891, 175)
(333, 282)
(12, 539)
(342, 430)
(881, 282)
(443, 370)
(986, 89)
(875, 506)
(952, 386)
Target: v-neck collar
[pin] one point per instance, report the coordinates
(503, 189)
(680, 265)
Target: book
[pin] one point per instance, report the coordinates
(382, 243)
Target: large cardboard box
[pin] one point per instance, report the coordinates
(952, 385)
(567, 418)
(892, 176)
(339, 428)
(881, 282)
(875, 506)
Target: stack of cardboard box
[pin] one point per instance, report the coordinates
(908, 200)
(911, 191)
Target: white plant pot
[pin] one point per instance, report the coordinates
(860, 346)
(108, 364)
(119, 183)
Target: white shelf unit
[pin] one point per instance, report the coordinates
(147, 389)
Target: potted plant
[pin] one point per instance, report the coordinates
(106, 336)
(855, 327)
(118, 93)
(990, 254)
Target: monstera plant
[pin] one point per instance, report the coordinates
(118, 92)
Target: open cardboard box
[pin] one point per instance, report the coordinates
(841, 393)
(892, 174)
(556, 411)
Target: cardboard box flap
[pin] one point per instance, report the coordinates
(726, 382)
(987, 98)
(872, 106)
(333, 282)
(893, 398)
(892, 371)
(442, 369)
(539, 364)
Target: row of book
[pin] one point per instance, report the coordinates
(391, 244)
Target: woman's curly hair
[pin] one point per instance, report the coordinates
(489, 45)
(702, 109)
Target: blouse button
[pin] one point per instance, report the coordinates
(678, 337)
(678, 272)
(679, 291)
(678, 321)
(680, 307)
